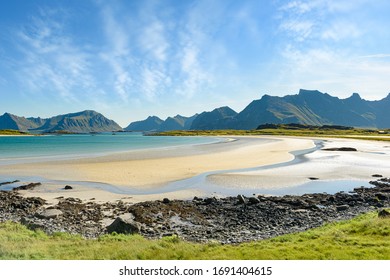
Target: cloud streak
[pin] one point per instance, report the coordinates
(52, 63)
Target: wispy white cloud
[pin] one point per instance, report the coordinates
(299, 7)
(320, 20)
(117, 53)
(379, 55)
(52, 64)
(299, 29)
(338, 73)
(153, 41)
(340, 30)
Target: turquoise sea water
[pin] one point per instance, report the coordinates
(36, 148)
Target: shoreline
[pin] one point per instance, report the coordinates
(152, 170)
(216, 169)
(228, 220)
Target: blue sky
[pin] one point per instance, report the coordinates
(130, 59)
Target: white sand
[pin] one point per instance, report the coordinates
(371, 158)
(155, 168)
(148, 170)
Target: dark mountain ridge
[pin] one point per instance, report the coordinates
(308, 107)
(80, 122)
(153, 123)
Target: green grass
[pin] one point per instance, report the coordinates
(12, 132)
(362, 134)
(365, 237)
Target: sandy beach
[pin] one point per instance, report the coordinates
(154, 168)
(371, 157)
(151, 170)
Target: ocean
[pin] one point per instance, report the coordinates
(23, 149)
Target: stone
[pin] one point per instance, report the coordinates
(49, 214)
(32, 224)
(27, 187)
(342, 149)
(342, 207)
(166, 200)
(253, 200)
(125, 225)
(384, 213)
(381, 196)
(313, 178)
(209, 200)
(376, 176)
(67, 187)
(241, 199)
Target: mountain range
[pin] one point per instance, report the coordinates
(309, 107)
(154, 123)
(81, 122)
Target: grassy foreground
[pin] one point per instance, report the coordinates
(365, 237)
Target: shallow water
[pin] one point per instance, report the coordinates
(41, 148)
(201, 182)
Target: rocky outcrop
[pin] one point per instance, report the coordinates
(341, 149)
(226, 220)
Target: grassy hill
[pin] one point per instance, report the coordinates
(12, 132)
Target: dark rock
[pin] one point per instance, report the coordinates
(166, 200)
(125, 225)
(381, 196)
(376, 175)
(209, 200)
(384, 213)
(67, 187)
(32, 224)
(253, 200)
(27, 187)
(8, 183)
(342, 149)
(241, 199)
(313, 178)
(342, 207)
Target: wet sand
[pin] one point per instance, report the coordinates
(149, 171)
(154, 168)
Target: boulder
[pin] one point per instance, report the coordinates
(384, 213)
(253, 200)
(209, 200)
(124, 224)
(27, 187)
(241, 199)
(342, 207)
(49, 214)
(67, 187)
(342, 149)
(381, 196)
(32, 224)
